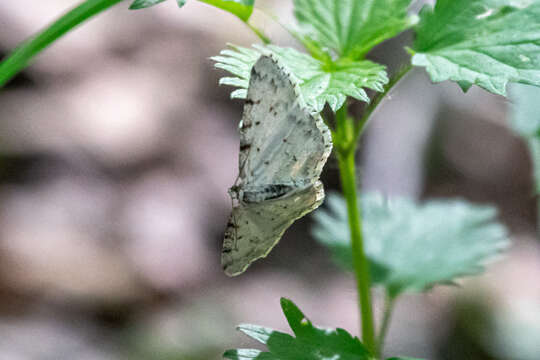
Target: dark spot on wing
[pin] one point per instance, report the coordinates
(245, 147)
(252, 102)
(268, 192)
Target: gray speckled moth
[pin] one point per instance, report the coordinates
(283, 149)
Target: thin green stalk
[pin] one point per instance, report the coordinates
(373, 105)
(347, 167)
(265, 39)
(275, 19)
(537, 208)
(307, 43)
(389, 302)
(22, 55)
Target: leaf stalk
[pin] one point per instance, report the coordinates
(389, 302)
(260, 34)
(374, 104)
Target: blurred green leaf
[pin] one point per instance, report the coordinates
(413, 247)
(311, 342)
(241, 8)
(512, 331)
(351, 28)
(319, 82)
(142, 4)
(484, 42)
(525, 120)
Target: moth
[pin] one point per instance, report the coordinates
(283, 148)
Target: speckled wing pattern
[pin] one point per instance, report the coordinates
(283, 148)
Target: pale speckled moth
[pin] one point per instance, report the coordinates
(283, 148)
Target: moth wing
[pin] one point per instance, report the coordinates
(280, 141)
(255, 228)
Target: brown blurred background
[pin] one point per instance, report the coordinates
(116, 151)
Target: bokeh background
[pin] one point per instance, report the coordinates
(117, 147)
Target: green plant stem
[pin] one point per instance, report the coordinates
(347, 167)
(374, 104)
(389, 302)
(346, 139)
(21, 56)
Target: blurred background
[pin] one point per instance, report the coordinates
(117, 148)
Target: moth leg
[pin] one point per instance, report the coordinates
(243, 164)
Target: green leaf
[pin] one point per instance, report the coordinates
(247, 354)
(319, 82)
(413, 247)
(525, 120)
(311, 342)
(241, 8)
(483, 42)
(351, 28)
(143, 4)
